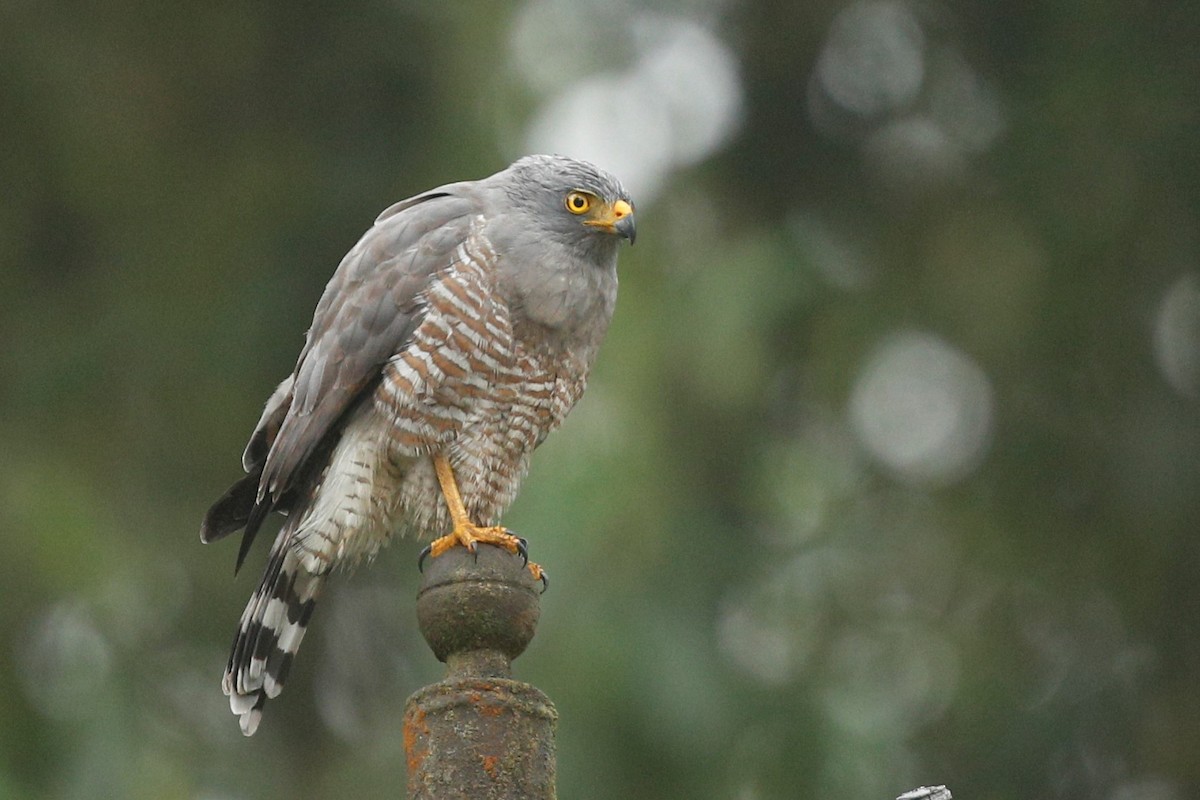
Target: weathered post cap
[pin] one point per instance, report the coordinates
(477, 732)
(478, 611)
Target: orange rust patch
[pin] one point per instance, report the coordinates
(414, 728)
(490, 763)
(481, 704)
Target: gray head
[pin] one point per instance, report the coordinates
(575, 203)
(555, 223)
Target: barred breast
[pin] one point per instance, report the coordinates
(468, 384)
(472, 386)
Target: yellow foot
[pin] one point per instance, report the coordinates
(469, 535)
(465, 532)
(539, 574)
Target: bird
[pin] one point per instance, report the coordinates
(451, 340)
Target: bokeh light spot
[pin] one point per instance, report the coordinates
(913, 154)
(66, 662)
(884, 682)
(674, 104)
(923, 409)
(873, 61)
(1177, 335)
(963, 104)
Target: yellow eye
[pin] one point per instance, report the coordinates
(578, 203)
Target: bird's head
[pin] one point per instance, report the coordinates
(602, 214)
(575, 201)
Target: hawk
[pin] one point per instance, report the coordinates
(451, 340)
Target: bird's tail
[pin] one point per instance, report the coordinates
(269, 633)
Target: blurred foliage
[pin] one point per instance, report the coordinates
(887, 475)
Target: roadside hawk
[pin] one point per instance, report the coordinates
(451, 340)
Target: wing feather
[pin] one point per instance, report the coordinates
(366, 314)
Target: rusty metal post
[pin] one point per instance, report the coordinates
(478, 733)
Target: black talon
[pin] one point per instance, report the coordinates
(545, 582)
(523, 551)
(421, 558)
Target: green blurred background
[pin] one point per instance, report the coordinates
(888, 472)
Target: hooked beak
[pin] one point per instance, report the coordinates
(616, 219)
(624, 223)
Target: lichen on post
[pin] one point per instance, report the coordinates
(478, 733)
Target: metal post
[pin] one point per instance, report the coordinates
(478, 733)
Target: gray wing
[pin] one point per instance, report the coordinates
(366, 314)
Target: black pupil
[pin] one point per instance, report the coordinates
(577, 202)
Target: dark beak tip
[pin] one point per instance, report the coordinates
(627, 228)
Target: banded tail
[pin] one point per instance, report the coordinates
(269, 633)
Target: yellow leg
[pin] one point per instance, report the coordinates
(465, 532)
